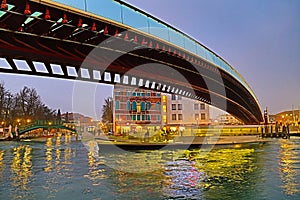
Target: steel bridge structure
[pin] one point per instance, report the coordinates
(113, 42)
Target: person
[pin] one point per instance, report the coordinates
(288, 130)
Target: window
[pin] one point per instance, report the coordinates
(158, 117)
(173, 106)
(164, 98)
(117, 93)
(164, 118)
(148, 94)
(128, 105)
(128, 93)
(117, 105)
(174, 117)
(158, 94)
(143, 106)
(203, 116)
(196, 116)
(179, 97)
(148, 106)
(179, 106)
(134, 107)
(202, 106)
(173, 97)
(148, 117)
(180, 117)
(133, 117)
(138, 117)
(138, 107)
(164, 108)
(134, 94)
(158, 106)
(196, 106)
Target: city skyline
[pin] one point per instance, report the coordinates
(259, 39)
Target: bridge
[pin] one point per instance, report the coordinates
(113, 42)
(44, 124)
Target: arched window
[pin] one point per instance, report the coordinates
(143, 106)
(117, 105)
(128, 105)
(134, 108)
(148, 106)
(158, 107)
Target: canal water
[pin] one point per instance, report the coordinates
(65, 169)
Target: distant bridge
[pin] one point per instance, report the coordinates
(106, 41)
(45, 124)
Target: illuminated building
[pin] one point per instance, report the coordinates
(183, 111)
(137, 110)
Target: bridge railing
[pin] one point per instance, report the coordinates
(42, 123)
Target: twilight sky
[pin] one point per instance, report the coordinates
(260, 38)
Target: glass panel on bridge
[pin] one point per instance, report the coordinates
(22, 65)
(40, 67)
(72, 71)
(109, 9)
(96, 75)
(190, 45)
(176, 38)
(134, 19)
(4, 64)
(201, 51)
(158, 29)
(56, 69)
(85, 73)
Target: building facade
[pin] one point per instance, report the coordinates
(183, 112)
(137, 110)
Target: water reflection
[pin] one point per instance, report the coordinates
(199, 170)
(96, 172)
(48, 157)
(62, 169)
(289, 166)
(21, 166)
(1, 163)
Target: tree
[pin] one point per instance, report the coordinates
(107, 111)
(26, 104)
(58, 115)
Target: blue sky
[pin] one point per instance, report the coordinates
(260, 38)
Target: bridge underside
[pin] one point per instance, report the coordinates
(56, 42)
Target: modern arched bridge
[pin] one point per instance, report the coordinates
(115, 43)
